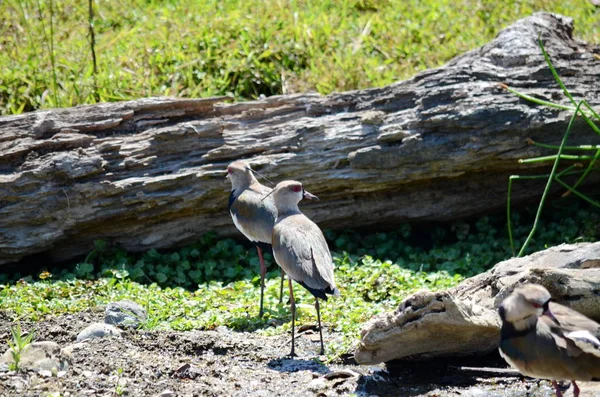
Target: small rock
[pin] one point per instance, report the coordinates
(317, 384)
(342, 374)
(125, 314)
(98, 330)
(166, 393)
(43, 356)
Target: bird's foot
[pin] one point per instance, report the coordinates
(557, 388)
(575, 389)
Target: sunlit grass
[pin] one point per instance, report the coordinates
(196, 48)
(410, 260)
(367, 288)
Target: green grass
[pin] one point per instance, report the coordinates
(214, 282)
(203, 48)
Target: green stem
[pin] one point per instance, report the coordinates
(587, 170)
(508, 222)
(566, 92)
(579, 147)
(549, 183)
(52, 59)
(554, 156)
(537, 100)
(577, 193)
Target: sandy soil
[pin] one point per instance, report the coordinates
(227, 363)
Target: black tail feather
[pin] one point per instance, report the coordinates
(319, 293)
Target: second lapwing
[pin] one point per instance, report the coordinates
(253, 215)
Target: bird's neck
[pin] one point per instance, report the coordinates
(518, 328)
(287, 209)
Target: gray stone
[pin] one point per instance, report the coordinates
(464, 321)
(43, 356)
(98, 330)
(125, 314)
(166, 393)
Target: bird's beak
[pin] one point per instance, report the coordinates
(549, 314)
(309, 196)
(227, 176)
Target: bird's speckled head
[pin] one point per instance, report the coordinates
(526, 301)
(287, 195)
(240, 174)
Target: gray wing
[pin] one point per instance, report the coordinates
(300, 249)
(571, 320)
(253, 216)
(582, 332)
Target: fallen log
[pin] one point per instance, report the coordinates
(149, 173)
(463, 320)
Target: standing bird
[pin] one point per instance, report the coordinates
(300, 249)
(252, 215)
(546, 340)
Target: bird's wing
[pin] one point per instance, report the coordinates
(579, 333)
(301, 250)
(253, 216)
(571, 320)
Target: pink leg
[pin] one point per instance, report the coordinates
(556, 388)
(263, 272)
(575, 389)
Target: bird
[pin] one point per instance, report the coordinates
(543, 339)
(301, 250)
(252, 215)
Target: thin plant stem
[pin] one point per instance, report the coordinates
(567, 171)
(586, 172)
(52, 58)
(554, 156)
(549, 183)
(536, 100)
(566, 91)
(92, 48)
(577, 193)
(578, 147)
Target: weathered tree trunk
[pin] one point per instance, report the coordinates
(463, 320)
(149, 173)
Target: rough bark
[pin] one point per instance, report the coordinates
(464, 321)
(148, 173)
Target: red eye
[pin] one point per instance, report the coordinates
(229, 170)
(536, 305)
(296, 188)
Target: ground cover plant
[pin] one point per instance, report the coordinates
(60, 54)
(215, 281)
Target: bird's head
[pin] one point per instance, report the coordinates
(287, 194)
(240, 174)
(527, 301)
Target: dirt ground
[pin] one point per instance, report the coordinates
(227, 363)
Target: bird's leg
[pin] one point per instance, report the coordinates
(281, 286)
(320, 328)
(575, 389)
(557, 388)
(263, 272)
(293, 307)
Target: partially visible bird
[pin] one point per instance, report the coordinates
(253, 215)
(543, 339)
(299, 247)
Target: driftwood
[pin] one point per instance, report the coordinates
(149, 173)
(463, 321)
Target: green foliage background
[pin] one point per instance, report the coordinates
(199, 48)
